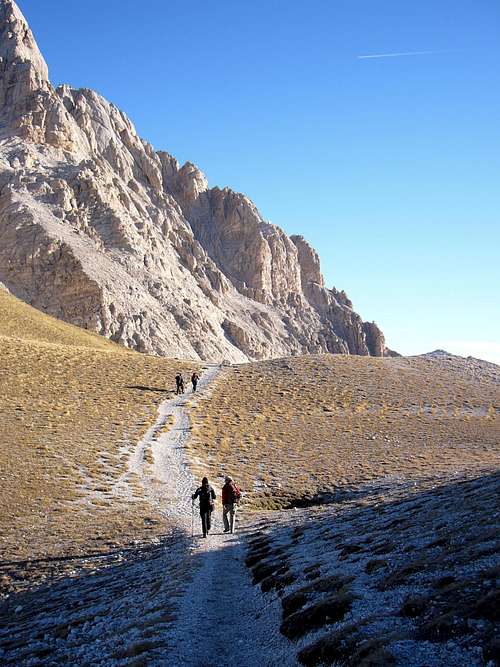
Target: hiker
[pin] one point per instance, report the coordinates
(207, 497)
(179, 384)
(194, 380)
(230, 498)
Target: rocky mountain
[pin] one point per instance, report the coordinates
(100, 230)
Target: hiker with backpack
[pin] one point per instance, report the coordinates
(179, 384)
(194, 380)
(206, 495)
(230, 498)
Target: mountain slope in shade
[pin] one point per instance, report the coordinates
(100, 230)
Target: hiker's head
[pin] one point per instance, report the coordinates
(228, 479)
(204, 481)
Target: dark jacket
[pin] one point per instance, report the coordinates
(206, 494)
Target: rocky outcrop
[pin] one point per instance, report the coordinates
(374, 339)
(99, 229)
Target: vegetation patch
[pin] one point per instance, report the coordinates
(331, 609)
(302, 596)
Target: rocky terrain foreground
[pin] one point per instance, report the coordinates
(99, 229)
(399, 574)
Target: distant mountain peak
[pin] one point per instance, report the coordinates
(18, 48)
(438, 353)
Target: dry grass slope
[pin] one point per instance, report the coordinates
(19, 321)
(72, 405)
(294, 429)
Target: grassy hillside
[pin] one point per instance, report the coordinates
(20, 321)
(291, 429)
(72, 406)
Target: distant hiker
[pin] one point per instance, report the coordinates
(207, 497)
(230, 498)
(194, 380)
(179, 384)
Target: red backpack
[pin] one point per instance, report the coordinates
(236, 492)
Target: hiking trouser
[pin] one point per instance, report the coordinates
(205, 521)
(230, 509)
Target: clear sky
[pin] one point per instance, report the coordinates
(389, 166)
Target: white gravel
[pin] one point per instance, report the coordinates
(224, 619)
(168, 482)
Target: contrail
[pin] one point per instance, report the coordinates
(396, 55)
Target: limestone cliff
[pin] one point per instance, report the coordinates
(100, 230)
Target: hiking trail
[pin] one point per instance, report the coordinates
(222, 618)
(180, 600)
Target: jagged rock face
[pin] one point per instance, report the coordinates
(23, 69)
(100, 230)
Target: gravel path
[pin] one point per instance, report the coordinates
(168, 482)
(224, 619)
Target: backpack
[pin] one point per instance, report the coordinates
(207, 496)
(236, 493)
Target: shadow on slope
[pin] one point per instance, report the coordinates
(119, 612)
(158, 390)
(409, 578)
(403, 578)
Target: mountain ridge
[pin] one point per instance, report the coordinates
(99, 229)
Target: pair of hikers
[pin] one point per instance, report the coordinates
(230, 498)
(179, 382)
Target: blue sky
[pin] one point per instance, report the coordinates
(389, 166)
